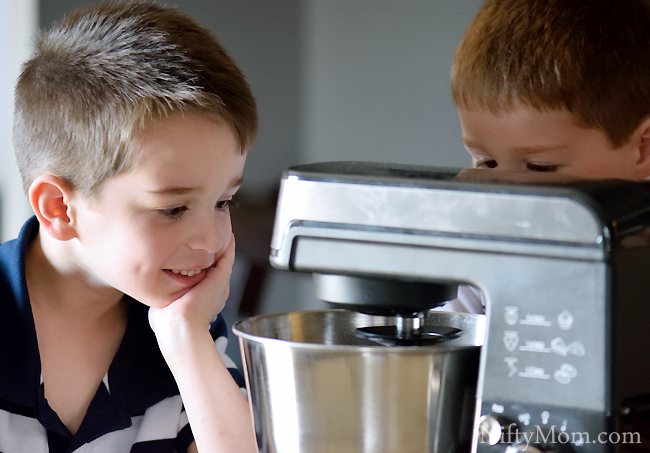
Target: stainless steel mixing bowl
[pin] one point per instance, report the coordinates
(316, 387)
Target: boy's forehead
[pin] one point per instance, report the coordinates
(527, 120)
(525, 130)
(178, 131)
(184, 153)
(178, 122)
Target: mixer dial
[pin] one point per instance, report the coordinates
(496, 429)
(523, 447)
(491, 428)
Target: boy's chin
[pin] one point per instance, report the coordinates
(161, 301)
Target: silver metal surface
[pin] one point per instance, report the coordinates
(408, 326)
(281, 258)
(427, 209)
(314, 386)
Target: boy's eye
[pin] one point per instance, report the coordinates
(172, 213)
(224, 204)
(486, 164)
(541, 168)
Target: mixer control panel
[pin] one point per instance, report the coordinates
(547, 352)
(525, 348)
(516, 427)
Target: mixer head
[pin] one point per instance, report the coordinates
(407, 301)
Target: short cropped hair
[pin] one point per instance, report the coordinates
(588, 57)
(103, 73)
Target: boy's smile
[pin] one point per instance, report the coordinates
(525, 139)
(153, 232)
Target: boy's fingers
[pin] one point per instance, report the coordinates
(228, 258)
(217, 276)
(222, 268)
(206, 299)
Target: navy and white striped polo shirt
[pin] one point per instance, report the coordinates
(137, 407)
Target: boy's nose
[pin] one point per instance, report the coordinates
(208, 236)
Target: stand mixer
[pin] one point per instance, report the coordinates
(561, 266)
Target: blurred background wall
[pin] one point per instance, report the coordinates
(18, 23)
(335, 80)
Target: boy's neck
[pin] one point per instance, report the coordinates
(57, 281)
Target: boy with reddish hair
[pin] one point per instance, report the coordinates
(555, 86)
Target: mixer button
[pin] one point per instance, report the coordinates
(523, 448)
(490, 429)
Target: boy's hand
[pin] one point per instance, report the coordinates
(217, 411)
(179, 321)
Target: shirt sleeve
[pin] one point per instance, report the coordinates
(469, 300)
(219, 331)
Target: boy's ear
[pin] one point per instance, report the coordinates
(643, 162)
(50, 198)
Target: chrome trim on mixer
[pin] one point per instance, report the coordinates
(280, 258)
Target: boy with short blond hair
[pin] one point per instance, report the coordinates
(131, 131)
(555, 86)
(105, 73)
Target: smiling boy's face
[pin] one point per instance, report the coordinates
(525, 139)
(152, 232)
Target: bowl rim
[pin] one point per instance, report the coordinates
(442, 347)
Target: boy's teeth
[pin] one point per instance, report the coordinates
(187, 273)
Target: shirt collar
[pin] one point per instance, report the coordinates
(19, 358)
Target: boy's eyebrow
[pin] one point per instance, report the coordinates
(173, 191)
(522, 149)
(540, 149)
(185, 190)
(470, 144)
(236, 182)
